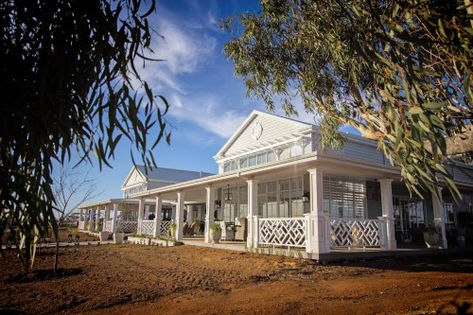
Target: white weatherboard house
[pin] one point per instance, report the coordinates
(276, 188)
(123, 213)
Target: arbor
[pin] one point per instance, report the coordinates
(67, 69)
(398, 71)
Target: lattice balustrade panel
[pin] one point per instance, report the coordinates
(164, 228)
(282, 231)
(129, 226)
(108, 226)
(147, 227)
(355, 233)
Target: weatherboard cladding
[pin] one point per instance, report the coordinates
(274, 129)
(361, 151)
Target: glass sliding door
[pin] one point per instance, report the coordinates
(409, 219)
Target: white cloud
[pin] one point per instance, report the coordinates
(184, 51)
(207, 114)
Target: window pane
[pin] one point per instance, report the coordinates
(271, 156)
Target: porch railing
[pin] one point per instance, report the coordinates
(147, 227)
(282, 231)
(81, 225)
(108, 226)
(164, 228)
(128, 226)
(355, 233)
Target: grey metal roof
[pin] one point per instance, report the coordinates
(171, 174)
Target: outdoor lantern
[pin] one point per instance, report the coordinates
(305, 197)
(228, 194)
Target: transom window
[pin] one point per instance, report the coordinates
(258, 158)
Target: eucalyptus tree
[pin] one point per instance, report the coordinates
(70, 84)
(401, 72)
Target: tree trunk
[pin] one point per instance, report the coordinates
(56, 256)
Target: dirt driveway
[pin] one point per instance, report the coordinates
(126, 279)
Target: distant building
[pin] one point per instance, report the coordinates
(138, 180)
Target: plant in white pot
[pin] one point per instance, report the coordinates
(216, 232)
(118, 236)
(432, 237)
(104, 235)
(172, 230)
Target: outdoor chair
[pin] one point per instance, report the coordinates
(240, 230)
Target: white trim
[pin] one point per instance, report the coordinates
(243, 126)
(127, 178)
(292, 140)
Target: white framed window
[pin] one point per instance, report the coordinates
(344, 198)
(448, 212)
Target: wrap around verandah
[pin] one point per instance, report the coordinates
(303, 216)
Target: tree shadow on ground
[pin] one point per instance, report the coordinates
(458, 262)
(44, 274)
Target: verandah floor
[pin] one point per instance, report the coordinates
(336, 254)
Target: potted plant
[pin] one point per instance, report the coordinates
(104, 235)
(432, 237)
(216, 232)
(172, 230)
(197, 225)
(118, 236)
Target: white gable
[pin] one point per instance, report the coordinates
(262, 130)
(133, 178)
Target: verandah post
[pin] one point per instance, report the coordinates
(114, 218)
(388, 212)
(317, 224)
(252, 211)
(209, 211)
(157, 217)
(141, 209)
(179, 215)
(439, 216)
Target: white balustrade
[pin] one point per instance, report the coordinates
(81, 225)
(164, 228)
(356, 233)
(282, 231)
(108, 226)
(147, 227)
(128, 226)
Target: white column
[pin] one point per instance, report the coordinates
(251, 240)
(173, 213)
(146, 212)
(97, 219)
(141, 209)
(81, 219)
(317, 221)
(439, 216)
(114, 218)
(179, 215)
(209, 211)
(86, 218)
(91, 220)
(157, 217)
(388, 212)
(106, 217)
(190, 214)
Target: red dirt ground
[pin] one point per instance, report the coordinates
(130, 279)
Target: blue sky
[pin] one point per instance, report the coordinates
(207, 101)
